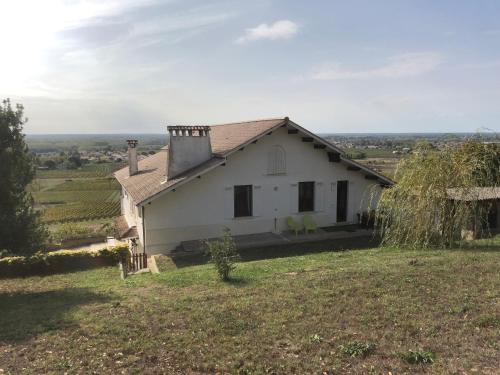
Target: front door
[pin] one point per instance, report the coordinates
(342, 196)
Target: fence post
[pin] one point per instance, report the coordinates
(123, 269)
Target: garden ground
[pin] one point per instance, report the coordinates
(290, 314)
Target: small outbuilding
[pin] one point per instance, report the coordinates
(489, 197)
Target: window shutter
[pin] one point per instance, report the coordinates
(294, 198)
(276, 161)
(228, 202)
(319, 195)
(257, 200)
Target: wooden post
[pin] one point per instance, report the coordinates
(123, 270)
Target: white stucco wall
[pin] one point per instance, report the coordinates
(203, 207)
(131, 213)
(128, 209)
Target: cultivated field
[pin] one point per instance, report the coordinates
(372, 153)
(86, 171)
(77, 200)
(85, 196)
(386, 166)
(297, 314)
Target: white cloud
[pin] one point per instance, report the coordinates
(29, 31)
(405, 65)
(89, 48)
(283, 29)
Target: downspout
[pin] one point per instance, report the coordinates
(143, 209)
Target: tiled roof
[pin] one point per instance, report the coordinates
(151, 178)
(474, 193)
(228, 137)
(122, 230)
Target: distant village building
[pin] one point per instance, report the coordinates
(249, 177)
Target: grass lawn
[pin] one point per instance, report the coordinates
(283, 315)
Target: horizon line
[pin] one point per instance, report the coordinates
(166, 134)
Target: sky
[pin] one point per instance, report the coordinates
(136, 66)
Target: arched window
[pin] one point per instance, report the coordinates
(276, 161)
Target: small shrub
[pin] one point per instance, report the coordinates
(61, 261)
(316, 339)
(418, 357)
(223, 254)
(358, 349)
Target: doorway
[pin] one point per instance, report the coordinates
(342, 196)
(493, 216)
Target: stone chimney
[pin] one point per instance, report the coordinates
(189, 146)
(133, 167)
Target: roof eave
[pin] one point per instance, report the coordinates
(316, 137)
(343, 156)
(385, 179)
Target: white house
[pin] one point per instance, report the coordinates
(247, 176)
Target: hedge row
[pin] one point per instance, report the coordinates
(61, 261)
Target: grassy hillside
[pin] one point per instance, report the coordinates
(284, 315)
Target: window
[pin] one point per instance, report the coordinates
(276, 161)
(342, 195)
(243, 200)
(306, 196)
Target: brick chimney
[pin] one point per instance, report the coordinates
(133, 167)
(189, 146)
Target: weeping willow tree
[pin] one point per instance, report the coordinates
(419, 212)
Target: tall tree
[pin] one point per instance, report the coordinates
(21, 231)
(418, 211)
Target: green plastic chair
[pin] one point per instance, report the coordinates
(309, 224)
(294, 225)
